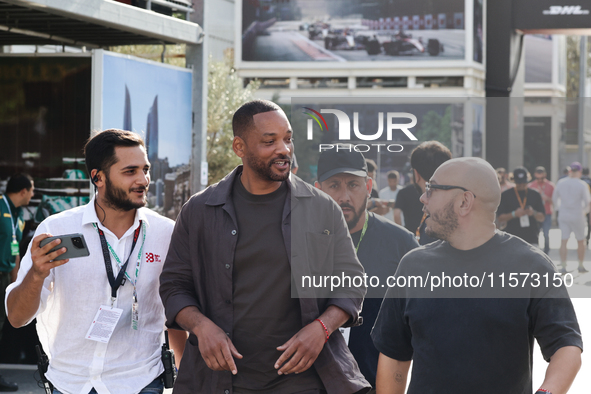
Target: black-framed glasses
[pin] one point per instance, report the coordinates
(429, 187)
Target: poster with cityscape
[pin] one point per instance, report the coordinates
(353, 30)
(153, 100)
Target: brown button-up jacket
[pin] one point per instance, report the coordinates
(198, 272)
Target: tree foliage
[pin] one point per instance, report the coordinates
(436, 127)
(573, 55)
(226, 93)
(173, 54)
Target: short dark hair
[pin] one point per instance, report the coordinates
(100, 149)
(242, 120)
(371, 165)
(18, 182)
(393, 174)
(427, 157)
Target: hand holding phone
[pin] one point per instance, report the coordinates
(75, 245)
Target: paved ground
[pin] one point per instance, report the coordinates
(26, 375)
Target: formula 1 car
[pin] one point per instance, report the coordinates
(403, 44)
(344, 39)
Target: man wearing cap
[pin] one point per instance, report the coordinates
(572, 198)
(546, 189)
(380, 243)
(522, 208)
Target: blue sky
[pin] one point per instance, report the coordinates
(144, 82)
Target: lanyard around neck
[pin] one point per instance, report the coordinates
(4, 197)
(521, 203)
(115, 283)
(418, 230)
(362, 231)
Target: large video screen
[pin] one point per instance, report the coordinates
(352, 30)
(153, 100)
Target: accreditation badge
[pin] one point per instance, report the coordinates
(524, 221)
(135, 315)
(14, 249)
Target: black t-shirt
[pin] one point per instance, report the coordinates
(408, 202)
(509, 203)
(475, 345)
(380, 250)
(265, 315)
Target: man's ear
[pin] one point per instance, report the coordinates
(318, 186)
(369, 185)
(467, 203)
(238, 145)
(98, 177)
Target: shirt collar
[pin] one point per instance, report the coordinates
(89, 216)
(222, 191)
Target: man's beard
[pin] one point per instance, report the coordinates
(447, 221)
(264, 169)
(357, 214)
(117, 199)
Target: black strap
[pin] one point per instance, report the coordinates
(120, 280)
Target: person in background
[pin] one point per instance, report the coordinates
(546, 189)
(375, 203)
(19, 191)
(522, 209)
(390, 192)
(424, 160)
(571, 196)
(585, 178)
(504, 179)
(380, 244)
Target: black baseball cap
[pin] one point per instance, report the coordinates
(340, 160)
(520, 175)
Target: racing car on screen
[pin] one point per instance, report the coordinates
(345, 39)
(403, 44)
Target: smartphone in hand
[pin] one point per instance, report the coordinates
(75, 245)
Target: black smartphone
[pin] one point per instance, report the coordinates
(75, 245)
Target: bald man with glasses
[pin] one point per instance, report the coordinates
(470, 338)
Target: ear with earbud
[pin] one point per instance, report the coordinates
(95, 178)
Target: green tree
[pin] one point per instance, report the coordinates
(172, 54)
(226, 93)
(436, 127)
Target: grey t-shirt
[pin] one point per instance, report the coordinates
(475, 345)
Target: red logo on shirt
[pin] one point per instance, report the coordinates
(153, 258)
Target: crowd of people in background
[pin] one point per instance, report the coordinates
(529, 205)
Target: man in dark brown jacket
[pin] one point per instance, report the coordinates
(242, 275)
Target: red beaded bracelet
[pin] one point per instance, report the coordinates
(325, 329)
(544, 391)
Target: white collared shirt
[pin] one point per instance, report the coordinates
(73, 292)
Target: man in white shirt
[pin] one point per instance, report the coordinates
(571, 198)
(69, 298)
(390, 192)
